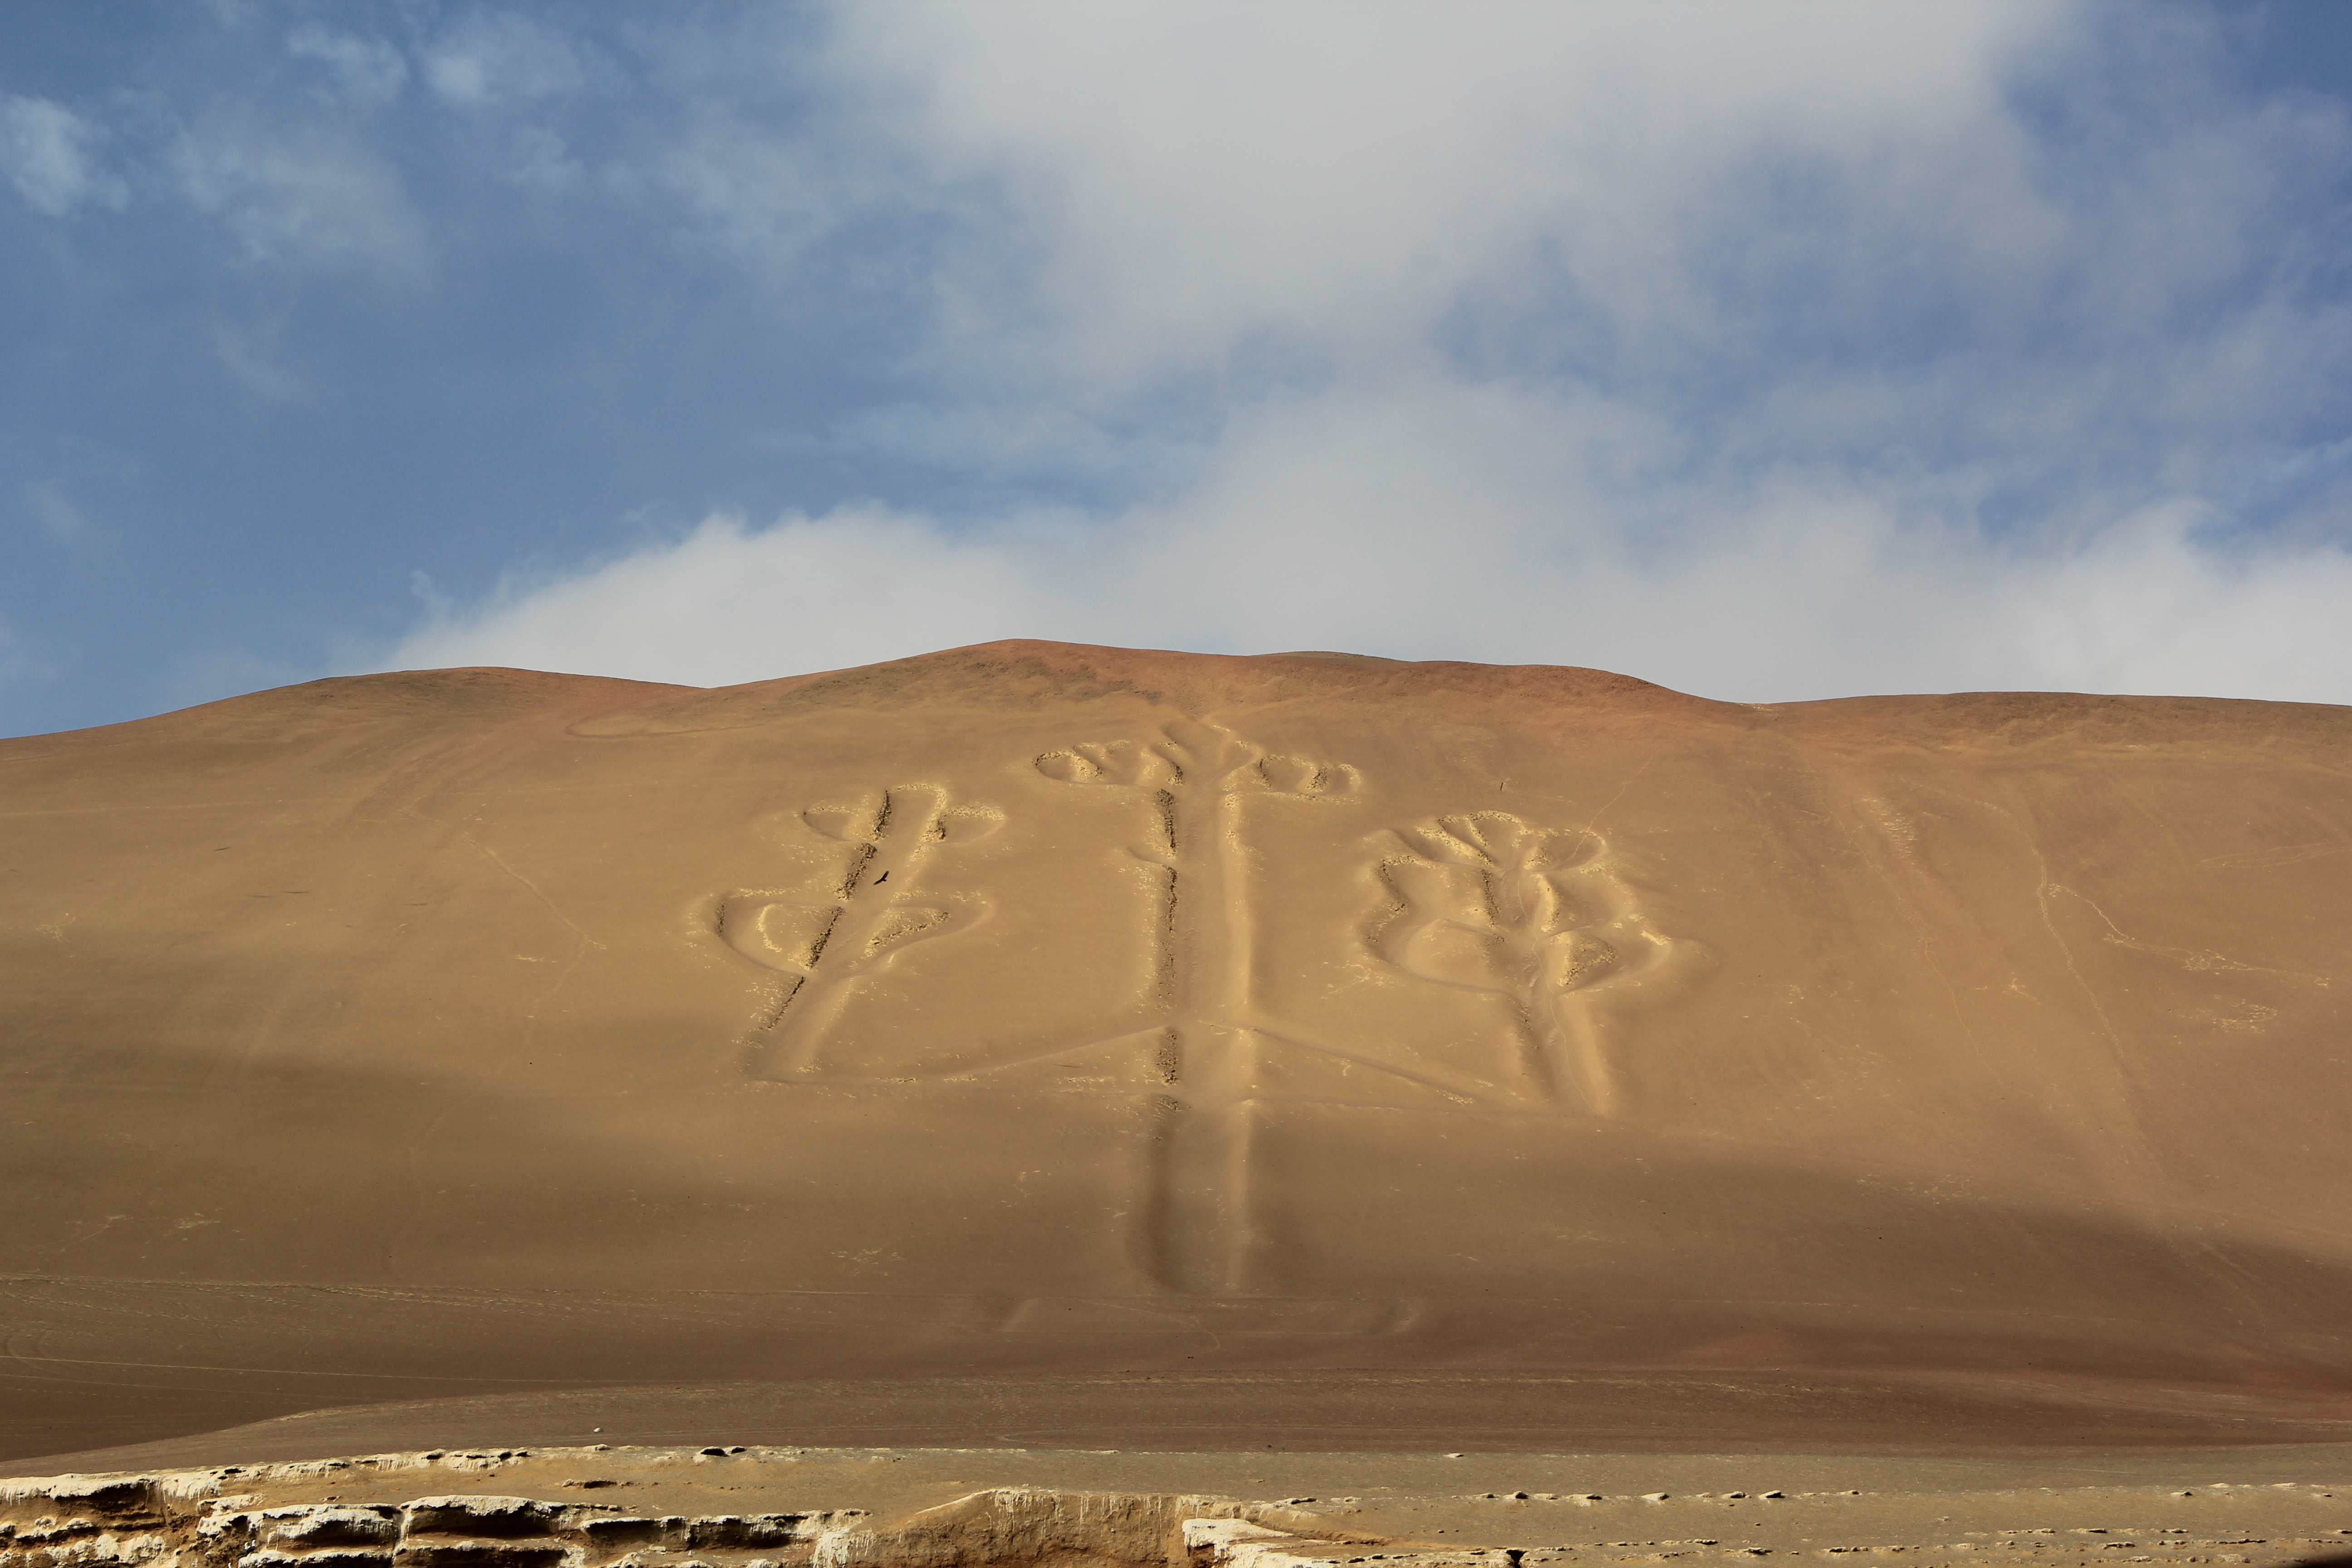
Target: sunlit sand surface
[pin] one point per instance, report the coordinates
(1039, 1048)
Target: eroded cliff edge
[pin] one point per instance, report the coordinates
(716, 1507)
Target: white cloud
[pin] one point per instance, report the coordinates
(1766, 352)
(364, 70)
(296, 193)
(1194, 173)
(1433, 522)
(49, 154)
(495, 56)
(2145, 609)
(725, 597)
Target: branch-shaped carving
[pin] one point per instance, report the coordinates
(1197, 1232)
(823, 945)
(1194, 774)
(1488, 903)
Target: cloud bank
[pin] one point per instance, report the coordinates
(1764, 351)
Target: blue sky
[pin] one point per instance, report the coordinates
(1768, 351)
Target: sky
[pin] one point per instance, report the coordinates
(1766, 352)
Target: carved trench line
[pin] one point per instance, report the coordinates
(1197, 1232)
(819, 984)
(1198, 1229)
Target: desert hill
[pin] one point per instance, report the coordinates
(1032, 1009)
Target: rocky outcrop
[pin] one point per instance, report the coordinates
(79, 1519)
(136, 1521)
(1080, 1530)
(166, 1521)
(473, 1532)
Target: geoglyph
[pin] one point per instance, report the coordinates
(1521, 921)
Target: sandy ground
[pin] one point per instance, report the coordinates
(1836, 1073)
(1930, 1418)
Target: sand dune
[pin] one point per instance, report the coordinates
(1032, 1009)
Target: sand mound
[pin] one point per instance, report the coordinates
(1030, 1008)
